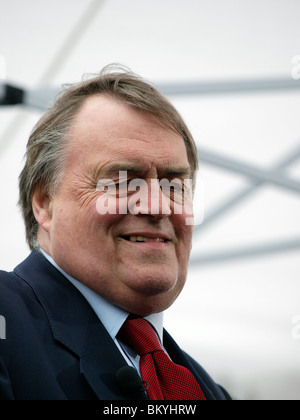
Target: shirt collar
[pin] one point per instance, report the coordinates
(111, 316)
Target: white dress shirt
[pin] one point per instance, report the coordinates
(111, 316)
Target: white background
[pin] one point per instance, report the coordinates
(235, 317)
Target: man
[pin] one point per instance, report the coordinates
(101, 255)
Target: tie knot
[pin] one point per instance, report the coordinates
(138, 334)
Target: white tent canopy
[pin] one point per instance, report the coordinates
(231, 68)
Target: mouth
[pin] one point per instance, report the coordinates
(142, 238)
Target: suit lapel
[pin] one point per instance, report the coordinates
(100, 361)
(75, 325)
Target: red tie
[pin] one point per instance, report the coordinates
(166, 380)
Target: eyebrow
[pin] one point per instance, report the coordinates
(139, 169)
(178, 171)
(118, 167)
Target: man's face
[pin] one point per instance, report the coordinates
(137, 260)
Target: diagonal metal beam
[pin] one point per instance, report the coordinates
(71, 40)
(239, 253)
(245, 193)
(229, 86)
(40, 97)
(250, 171)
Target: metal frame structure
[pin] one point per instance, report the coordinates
(41, 97)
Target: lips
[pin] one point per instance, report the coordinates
(146, 237)
(143, 239)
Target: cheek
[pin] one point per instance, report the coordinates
(71, 221)
(61, 218)
(108, 210)
(110, 205)
(184, 233)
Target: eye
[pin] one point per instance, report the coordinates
(107, 186)
(177, 186)
(118, 187)
(173, 189)
(122, 187)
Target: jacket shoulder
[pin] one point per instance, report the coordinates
(18, 301)
(11, 286)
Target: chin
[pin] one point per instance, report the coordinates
(153, 285)
(148, 306)
(152, 297)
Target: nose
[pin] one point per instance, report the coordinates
(150, 200)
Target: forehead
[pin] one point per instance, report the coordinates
(107, 129)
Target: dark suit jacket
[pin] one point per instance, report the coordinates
(56, 348)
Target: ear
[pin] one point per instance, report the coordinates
(42, 208)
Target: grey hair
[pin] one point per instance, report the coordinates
(46, 151)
